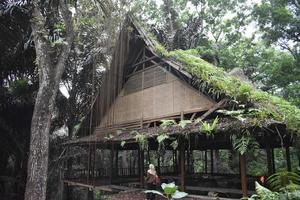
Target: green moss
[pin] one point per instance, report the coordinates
(270, 106)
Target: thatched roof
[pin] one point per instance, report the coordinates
(225, 126)
(259, 109)
(217, 82)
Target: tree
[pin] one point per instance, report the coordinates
(279, 21)
(50, 73)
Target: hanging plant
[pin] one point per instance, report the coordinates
(174, 144)
(165, 123)
(183, 123)
(123, 143)
(245, 143)
(208, 128)
(141, 140)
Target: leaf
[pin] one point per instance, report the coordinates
(123, 143)
(169, 189)
(155, 192)
(174, 144)
(162, 137)
(179, 195)
(166, 123)
(183, 123)
(264, 193)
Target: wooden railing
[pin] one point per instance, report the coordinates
(121, 172)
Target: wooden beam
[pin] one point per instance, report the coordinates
(145, 60)
(146, 68)
(243, 175)
(288, 158)
(193, 116)
(215, 107)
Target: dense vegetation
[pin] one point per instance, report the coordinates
(211, 37)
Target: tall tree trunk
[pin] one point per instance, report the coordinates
(49, 78)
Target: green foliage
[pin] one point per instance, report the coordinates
(170, 191)
(270, 106)
(244, 143)
(123, 143)
(161, 137)
(264, 193)
(183, 123)
(166, 123)
(141, 139)
(282, 180)
(174, 144)
(208, 128)
(19, 88)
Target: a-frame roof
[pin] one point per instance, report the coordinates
(251, 106)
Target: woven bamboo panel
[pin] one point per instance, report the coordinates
(171, 97)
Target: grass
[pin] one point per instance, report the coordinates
(269, 106)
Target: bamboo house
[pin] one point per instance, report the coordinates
(153, 99)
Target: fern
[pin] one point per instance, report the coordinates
(166, 123)
(265, 194)
(209, 129)
(161, 137)
(279, 181)
(245, 143)
(141, 139)
(174, 144)
(183, 123)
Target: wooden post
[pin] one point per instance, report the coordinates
(211, 161)
(117, 163)
(182, 164)
(205, 161)
(158, 163)
(188, 161)
(142, 168)
(90, 194)
(273, 161)
(175, 162)
(89, 170)
(269, 160)
(111, 175)
(243, 175)
(288, 158)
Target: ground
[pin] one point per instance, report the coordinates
(139, 195)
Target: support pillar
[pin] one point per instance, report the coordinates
(211, 161)
(288, 158)
(205, 161)
(243, 175)
(158, 163)
(182, 164)
(141, 167)
(269, 160)
(116, 164)
(90, 194)
(273, 161)
(111, 164)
